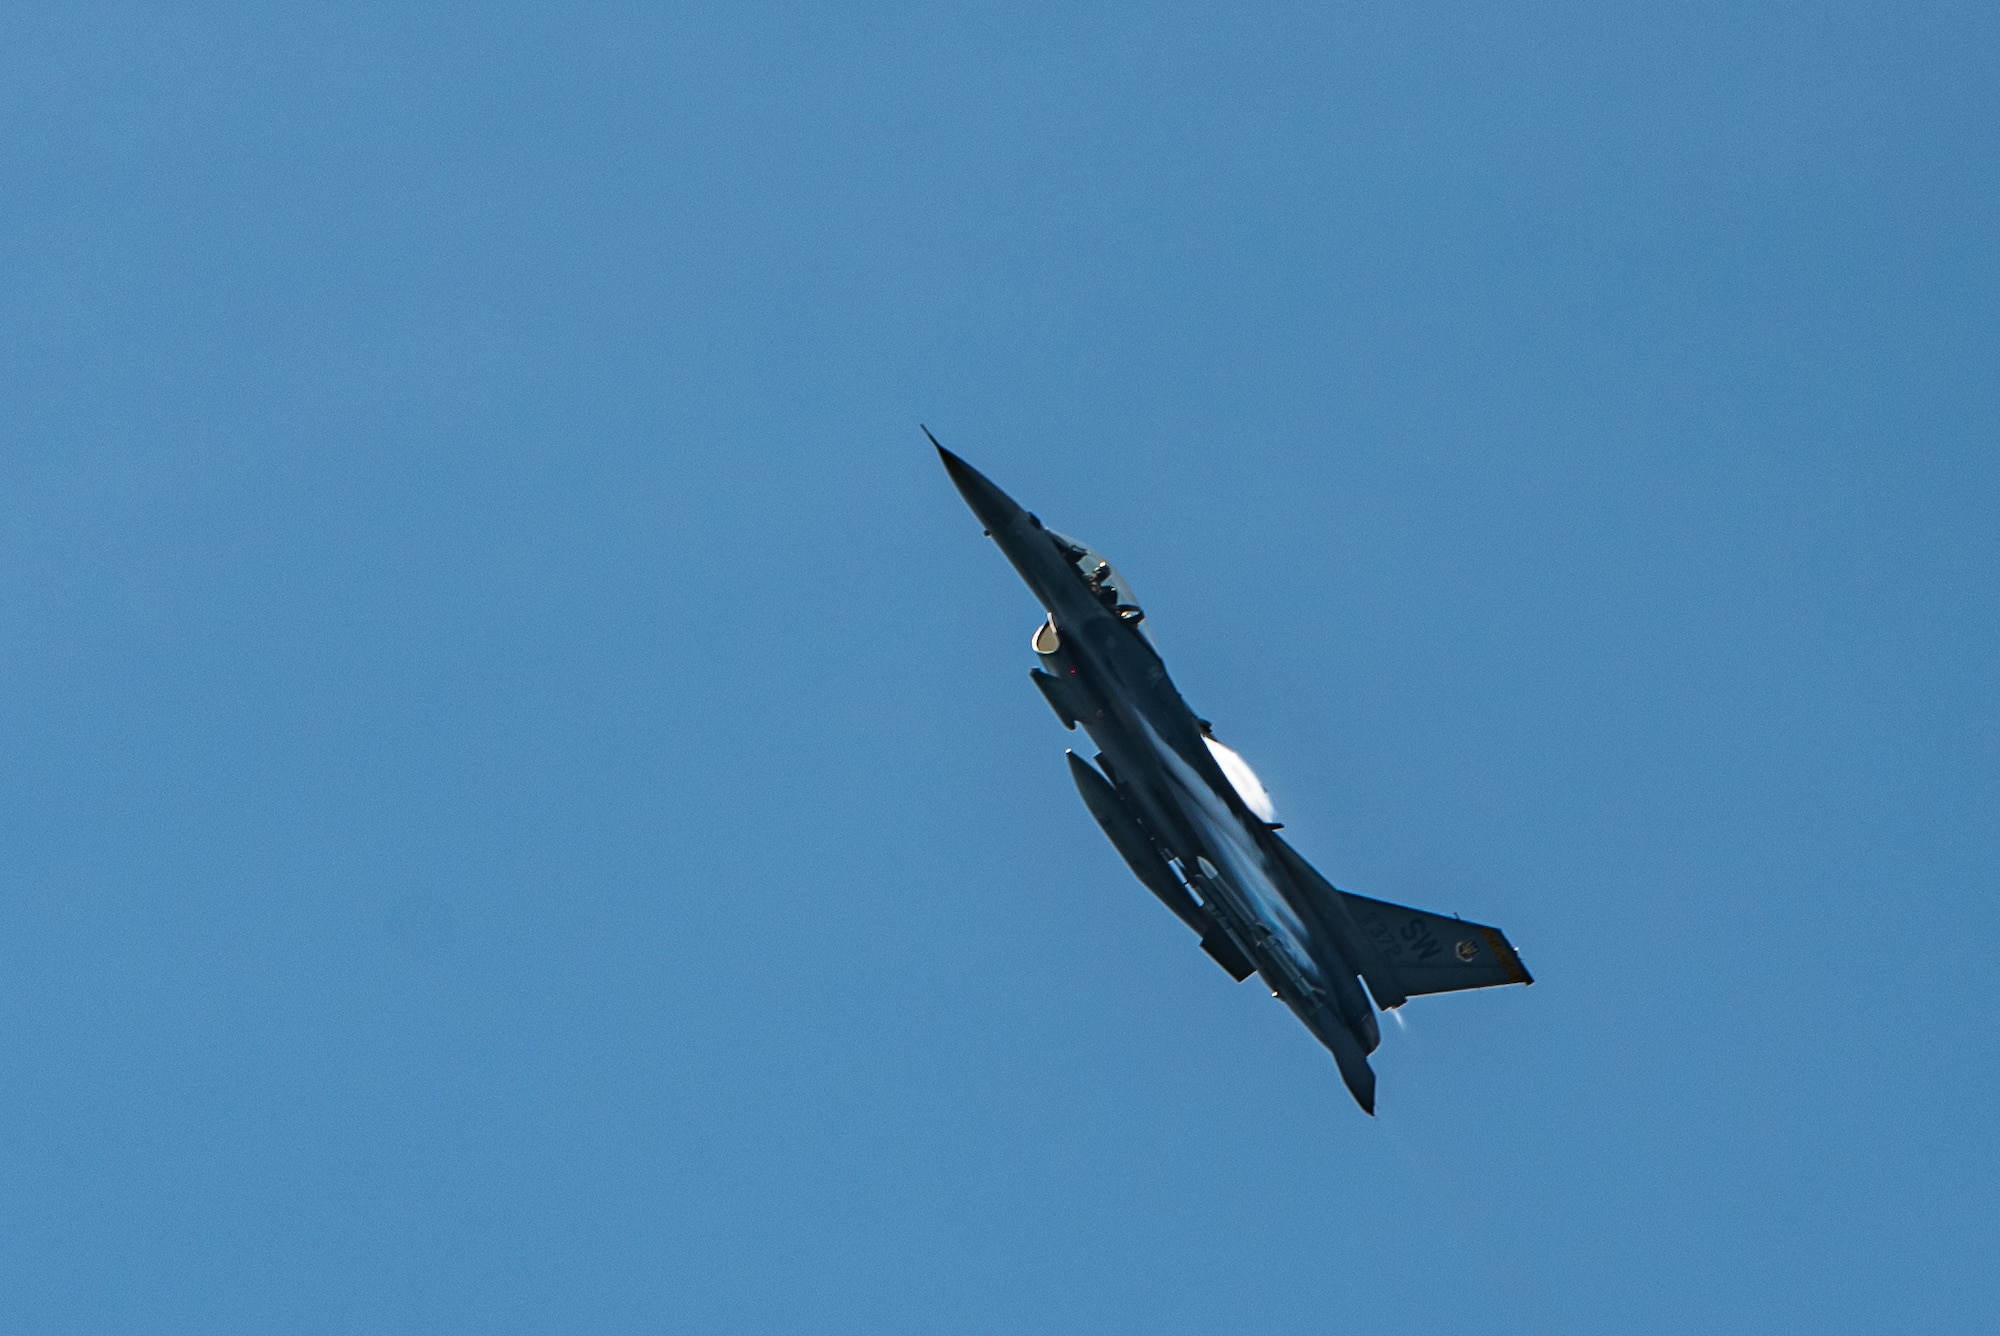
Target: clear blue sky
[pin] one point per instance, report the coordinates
(523, 807)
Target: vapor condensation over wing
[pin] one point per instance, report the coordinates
(1243, 779)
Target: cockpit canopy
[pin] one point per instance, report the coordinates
(1114, 589)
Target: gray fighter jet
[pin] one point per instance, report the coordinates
(1195, 825)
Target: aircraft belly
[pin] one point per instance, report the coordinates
(1241, 862)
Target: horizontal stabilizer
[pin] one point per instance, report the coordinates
(1433, 953)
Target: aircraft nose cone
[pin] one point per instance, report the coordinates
(994, 507)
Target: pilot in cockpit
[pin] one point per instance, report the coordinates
(1101, 582)
(1104, 581)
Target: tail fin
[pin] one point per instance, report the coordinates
(1430, 953)
(1401, 952)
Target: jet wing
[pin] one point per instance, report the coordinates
(1430, 953)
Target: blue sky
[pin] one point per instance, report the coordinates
(524, 811)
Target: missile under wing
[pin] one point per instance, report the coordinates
(1191, 819)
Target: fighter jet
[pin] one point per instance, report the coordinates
(1192, 820)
